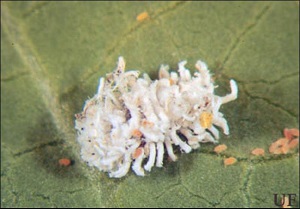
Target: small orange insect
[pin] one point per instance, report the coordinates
(283, 145)
(230, 161)
(142, 16)
(258, 152)
(64, 162)
(220, 148)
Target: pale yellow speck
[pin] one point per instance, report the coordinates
(206, 119)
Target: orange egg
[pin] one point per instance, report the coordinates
(220, 148)
(142, 16)
(64, 162)
(229, 161)
(258, 152)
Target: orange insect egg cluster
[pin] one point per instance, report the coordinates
(220, 148)
(230, 161)
(285, 145)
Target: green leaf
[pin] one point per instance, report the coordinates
(53, 53)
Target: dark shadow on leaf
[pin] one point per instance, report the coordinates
(50, 148)
(73, 99)
(171, 169)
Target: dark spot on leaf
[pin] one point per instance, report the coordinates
(48, 147)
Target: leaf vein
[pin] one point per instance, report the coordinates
(244, 32)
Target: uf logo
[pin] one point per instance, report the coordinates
(281, 202)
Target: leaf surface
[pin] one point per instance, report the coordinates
(53, 53)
